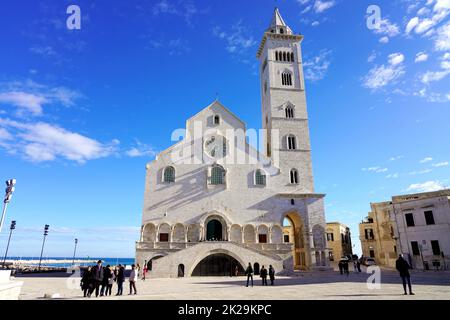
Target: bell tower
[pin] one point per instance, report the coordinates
(284, 112)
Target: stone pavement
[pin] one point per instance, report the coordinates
(305, 285)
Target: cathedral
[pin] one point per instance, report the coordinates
(213, 203)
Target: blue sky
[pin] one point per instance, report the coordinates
(82, 111)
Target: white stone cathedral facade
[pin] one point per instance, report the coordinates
(213, 205)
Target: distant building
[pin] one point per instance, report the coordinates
(376, 233)
(423, 227)
(416, 225)
(339, 241)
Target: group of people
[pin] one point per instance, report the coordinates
(344, 267)
(101, 279)
(262, 273)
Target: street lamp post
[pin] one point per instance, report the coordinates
(43, 242)
(8, 194)
(74, 251)
(11, 228)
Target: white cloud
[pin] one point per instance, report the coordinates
(441, 164)
(380, 76)
(317, 67)
(238, 39)
(30, 97)
(431, 76)
(384, 40)
(141, 150)
(442, 40)
(40, 142)
(423, 11)
(315, 23)
(421, 56)
(375, 169)
(413, 173)
(184, 8)
(372, 57)
(44, 51)
(424, 25)
(392, 176)
(24, 101)
(396, 158)
(411, 24)
(396, 58)
(426, 186)
(425, 160)
(387, 28)
(321, 6)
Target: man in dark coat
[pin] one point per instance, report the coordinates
(106, 275)
(120, 280)
(263, 275)
(86, 282)
(341, 266)
(271, 275)
(249, 273)
(97, 277)
(403, 267)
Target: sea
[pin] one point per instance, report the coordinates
(89, 261)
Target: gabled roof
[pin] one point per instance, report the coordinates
(220, 105)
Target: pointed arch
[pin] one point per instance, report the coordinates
(179, 233)
(149, 232)
(249, 234)
(169, 174)
(236, 233)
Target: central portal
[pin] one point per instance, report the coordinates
(214, 230)
(218, 264)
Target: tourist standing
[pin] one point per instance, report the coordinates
(263, 275)
(355, 267)
(271, 275)
(133, 278)
(249, 273)
(107, 274)
(403, 267)
(345, 267)
(111, 280)
(97, 273)
(341, 266)
(120, 280)
(358, 265)
(236, 271)
(86, 282)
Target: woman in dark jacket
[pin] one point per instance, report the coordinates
(271, 275)
(86, 282)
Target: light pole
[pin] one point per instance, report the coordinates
(43, 242)
(11, 228)
(74, 251)
(8, 194)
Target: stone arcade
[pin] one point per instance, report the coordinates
(212, 216)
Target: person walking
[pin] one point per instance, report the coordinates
(403, 267)
(355, 267)
(236, 271)
(345, 267)
(249, 273)
(97, 273)
(133, 278)
(86, 282)
(271, 275)
(263, 275)
(144, 273)
(358, 265)
(341, 266)
(120, 280)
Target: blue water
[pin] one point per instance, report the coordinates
(89, 261)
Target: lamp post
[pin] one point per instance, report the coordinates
(74, 251)
(8, 194)
(43, 242)
(11, 228)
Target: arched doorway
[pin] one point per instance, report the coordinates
(293, 230)
(256, 268)
(150, 262)
(181, 270)
(219, 264)
(214, 230)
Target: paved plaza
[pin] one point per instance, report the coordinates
(305, 285)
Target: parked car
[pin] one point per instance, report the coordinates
(369, 262)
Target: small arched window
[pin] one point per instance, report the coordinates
(292, 56)
(286, 79)
(260, 178)
(281, 30)
(216, 120)
(291, 142)
(217, 175)
(289, 112)
(276, 55)
(284, 56)
(169, 175)
(294, 176)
